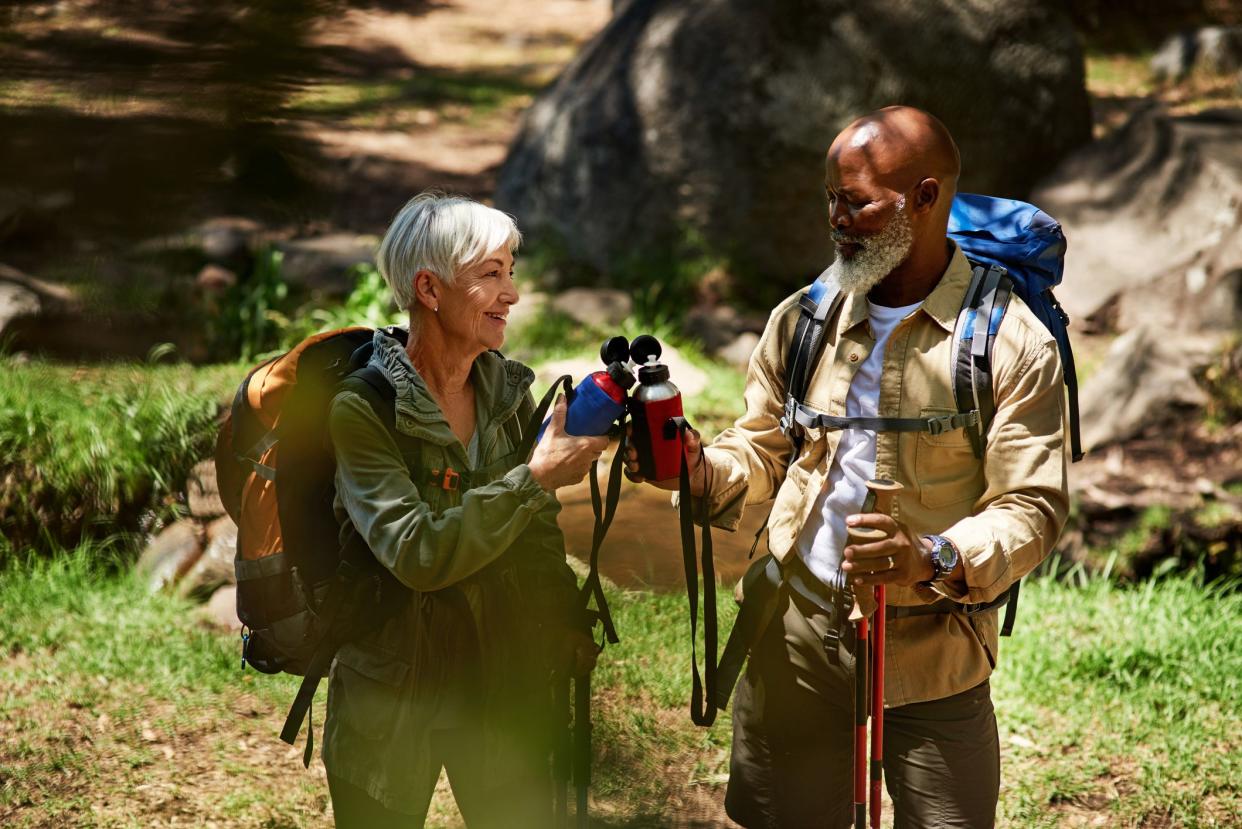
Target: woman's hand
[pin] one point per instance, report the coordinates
(562, 459)
(700, 469)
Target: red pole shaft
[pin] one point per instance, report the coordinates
(877, 706)
(861, 709)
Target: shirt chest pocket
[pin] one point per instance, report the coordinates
(945, 465)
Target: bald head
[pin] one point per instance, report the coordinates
(890, 179)
(901, 145)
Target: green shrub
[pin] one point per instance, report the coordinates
(87, 451)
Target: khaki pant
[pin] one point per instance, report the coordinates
(793, 724)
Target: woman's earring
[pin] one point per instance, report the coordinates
(436, 309)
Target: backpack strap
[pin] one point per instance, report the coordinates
(371, 385)
(804, 351)
(1061, 334)
(983, 308)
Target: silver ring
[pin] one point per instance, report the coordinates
(892, 562)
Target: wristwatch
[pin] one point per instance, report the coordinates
(944, 557)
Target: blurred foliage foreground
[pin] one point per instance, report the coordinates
(1117, 707)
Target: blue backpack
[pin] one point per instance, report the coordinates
(1024, 250)
(1013, 247)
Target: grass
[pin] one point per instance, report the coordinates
(1117, 707)
(88, 450)
(423, 99)
(1122, 703)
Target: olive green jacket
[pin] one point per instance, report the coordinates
(1004, 513)
(486, 565)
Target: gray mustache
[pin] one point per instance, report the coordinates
(842, 238)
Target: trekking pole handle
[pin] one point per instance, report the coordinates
(884, 491)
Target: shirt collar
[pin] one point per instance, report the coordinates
(945, 300)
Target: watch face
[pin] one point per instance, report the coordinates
(944, 553)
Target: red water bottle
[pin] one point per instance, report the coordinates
(653, 404)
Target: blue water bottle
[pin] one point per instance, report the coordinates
(599, 400)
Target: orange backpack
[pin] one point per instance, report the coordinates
(297, 587)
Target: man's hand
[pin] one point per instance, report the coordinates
(901, 558)
(698, 465)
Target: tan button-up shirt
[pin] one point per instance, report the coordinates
(1004, 513)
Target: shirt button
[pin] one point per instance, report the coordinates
(854, 358)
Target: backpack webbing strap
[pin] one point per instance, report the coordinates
(245, 422)
(760, 595)
(1011, 608)
(1071, 374)
(804, 350)
(541, 411)
(702, 707)
(605, 510)
(811, 419)
(993, 301)
(371, 385)
(347, 578)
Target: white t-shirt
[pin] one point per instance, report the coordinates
(823, 537)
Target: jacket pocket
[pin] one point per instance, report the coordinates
(945, 466)
(367, 690)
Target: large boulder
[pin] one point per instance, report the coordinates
(1151, 214)
(1147, 379)
(1212, 49)
(709, 121)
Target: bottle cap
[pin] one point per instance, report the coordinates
(653, 373)
(615, 350)
(620, 375)
(645, 349)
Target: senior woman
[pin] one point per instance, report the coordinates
(459, 678)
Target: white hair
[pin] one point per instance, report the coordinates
(441, 234)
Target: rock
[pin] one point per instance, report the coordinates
(229, 240)
(1147, 378)
(214, 568)
(170, 555)
(713, 326)
(221, 610)
(737, 353)
(215, 280)
(16, 302)
(710, 121)
(529, 308)
(601, 308)
(1212, 49)
(323, 263)
(68, 327)
(1152, 212)
(202, 492)
(688, 379)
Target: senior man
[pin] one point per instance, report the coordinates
(964, 529)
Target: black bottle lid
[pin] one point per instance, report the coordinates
(620, 375)
(644, 349)
(653, 374)
(615, 350)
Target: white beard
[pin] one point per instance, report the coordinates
(878, 256)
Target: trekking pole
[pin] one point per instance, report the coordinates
(560, 754)
(582, 746)
(884, 490)
(869, 684)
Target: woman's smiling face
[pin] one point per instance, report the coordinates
(475, 307)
